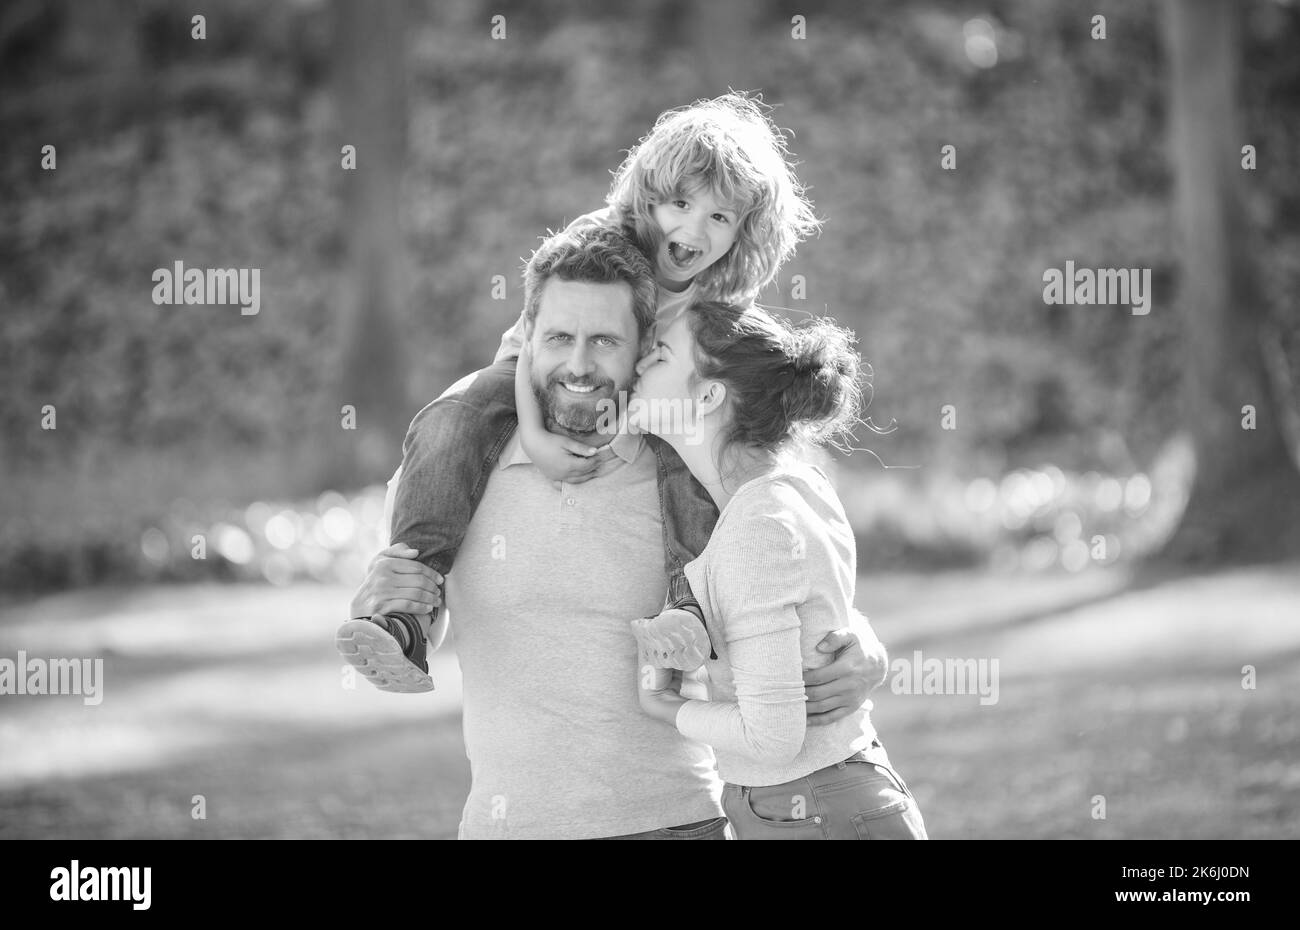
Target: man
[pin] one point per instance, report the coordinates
(550, 575)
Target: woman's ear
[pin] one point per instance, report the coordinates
(711, 397)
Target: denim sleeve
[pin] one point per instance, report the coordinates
(449, 451)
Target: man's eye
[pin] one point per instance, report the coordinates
(559, 338)
(605, 341)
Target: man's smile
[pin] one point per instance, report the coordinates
(577, 388)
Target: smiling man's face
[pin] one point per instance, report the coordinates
(585, 347)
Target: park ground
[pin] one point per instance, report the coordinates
(1117, 694)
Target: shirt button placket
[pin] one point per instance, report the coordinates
(569, 514)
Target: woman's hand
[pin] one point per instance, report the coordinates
(659, 692)
(674, 639)
(396, 583)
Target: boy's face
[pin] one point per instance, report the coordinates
(585, 346)
(697, 230)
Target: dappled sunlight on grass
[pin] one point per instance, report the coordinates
(1131, 691)
(1137, 698)
(188, 671)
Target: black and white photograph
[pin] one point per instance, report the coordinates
(656, 420)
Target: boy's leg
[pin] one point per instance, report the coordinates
(447, 455)
(689, 516)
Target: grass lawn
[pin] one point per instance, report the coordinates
(1126, 689)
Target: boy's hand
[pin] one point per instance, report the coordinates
(838, 689)
(396, 583)
(560, 458)
(675, 639)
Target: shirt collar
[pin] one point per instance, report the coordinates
(624, 445)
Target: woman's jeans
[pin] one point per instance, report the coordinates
(451, 447)
(861, 798)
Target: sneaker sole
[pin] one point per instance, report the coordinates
(377, 655)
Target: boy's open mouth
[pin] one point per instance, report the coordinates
(682, 255)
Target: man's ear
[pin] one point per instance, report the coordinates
(710, 397)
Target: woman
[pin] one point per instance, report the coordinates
(778, 573)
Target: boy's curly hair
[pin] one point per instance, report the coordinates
(733, 147)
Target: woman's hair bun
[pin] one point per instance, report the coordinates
(824, 396)
(784, 381)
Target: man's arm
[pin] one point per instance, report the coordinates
(859, 667)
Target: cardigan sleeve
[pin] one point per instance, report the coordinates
(759, 580)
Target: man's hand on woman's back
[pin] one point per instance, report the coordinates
(860, 665)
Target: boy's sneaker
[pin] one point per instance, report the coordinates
(390, 652)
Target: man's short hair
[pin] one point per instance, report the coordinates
(593, 255)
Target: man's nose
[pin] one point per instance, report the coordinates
(580, 361)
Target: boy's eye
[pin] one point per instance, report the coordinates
(722, 217)
(679, 204)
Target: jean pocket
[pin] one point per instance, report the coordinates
(701, 831)
(900, 820)
(760, 814)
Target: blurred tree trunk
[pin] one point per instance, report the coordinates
(371, 378)
(1242, 504)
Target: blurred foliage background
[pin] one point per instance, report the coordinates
(225, 153)
(1085, 436)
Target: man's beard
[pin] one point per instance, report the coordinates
(564, 412)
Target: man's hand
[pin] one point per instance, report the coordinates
(659, 692)
(840, 688)
(674, 639)
(396, 583)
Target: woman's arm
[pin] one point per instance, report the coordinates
(757, 590)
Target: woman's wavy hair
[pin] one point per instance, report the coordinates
(787, 386)
(732, 147)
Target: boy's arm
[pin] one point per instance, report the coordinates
(605, 216)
